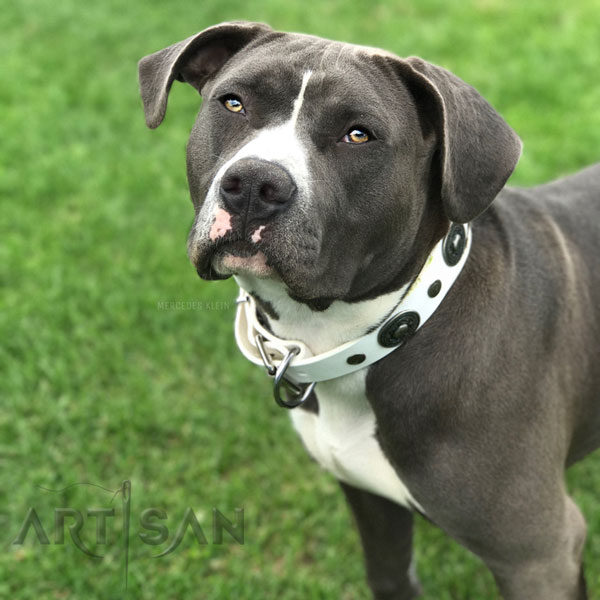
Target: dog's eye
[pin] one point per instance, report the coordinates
(233, 104)
(356, 136)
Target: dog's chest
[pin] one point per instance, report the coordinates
(341, 438)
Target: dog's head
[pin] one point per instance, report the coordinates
(329, 166)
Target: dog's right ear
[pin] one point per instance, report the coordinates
(193, 60)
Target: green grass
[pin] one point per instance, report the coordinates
(100, 384)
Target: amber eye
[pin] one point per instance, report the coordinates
(356, 136)
(233, 104)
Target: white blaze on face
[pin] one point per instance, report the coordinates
(281, 145)
(300, 99)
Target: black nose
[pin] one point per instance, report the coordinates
(257, 187)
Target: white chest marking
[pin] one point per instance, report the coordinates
(341, 438)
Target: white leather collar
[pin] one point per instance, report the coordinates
(394, 330)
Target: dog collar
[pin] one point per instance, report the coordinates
(293, 365)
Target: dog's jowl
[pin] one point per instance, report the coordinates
(435, 332)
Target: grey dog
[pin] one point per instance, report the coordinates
(322, 175)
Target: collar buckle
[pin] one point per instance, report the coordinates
(260, 345)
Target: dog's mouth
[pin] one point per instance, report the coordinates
(237, 257)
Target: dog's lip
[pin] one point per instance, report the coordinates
(241, 248)
(227, 257)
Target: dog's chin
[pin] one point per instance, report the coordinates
(245, 259)
(226, 264)
(237, 258)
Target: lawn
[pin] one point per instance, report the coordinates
(118, 363)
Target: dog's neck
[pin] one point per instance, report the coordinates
(340, 322)
(319, 330)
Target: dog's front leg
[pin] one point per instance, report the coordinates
(386, 533)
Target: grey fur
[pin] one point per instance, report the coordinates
(484, 408)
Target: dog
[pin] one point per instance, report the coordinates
(435, 332)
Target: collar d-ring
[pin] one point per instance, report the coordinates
(296, 394)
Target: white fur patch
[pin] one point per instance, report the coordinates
(341, 438)
(257, 235)
(279, 145)
(221, 225)
(300, 99)
(320, 330)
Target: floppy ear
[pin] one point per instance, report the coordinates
(193, 60)
(477, 151)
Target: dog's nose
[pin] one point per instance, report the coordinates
(258, 187)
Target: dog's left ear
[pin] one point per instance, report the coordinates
(194, 60)
(477, 149)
